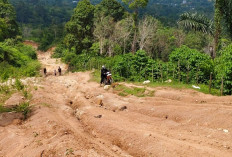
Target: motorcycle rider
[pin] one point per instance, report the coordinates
(103, 74)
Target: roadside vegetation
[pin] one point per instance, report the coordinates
(156, 83)
(6, 92)
(16, 59)
(137, 48)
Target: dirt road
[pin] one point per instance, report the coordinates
(75, 117)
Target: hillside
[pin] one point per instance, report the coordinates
(168, 11)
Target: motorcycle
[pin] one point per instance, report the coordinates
(108, 80)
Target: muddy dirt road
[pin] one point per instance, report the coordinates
(75, 117)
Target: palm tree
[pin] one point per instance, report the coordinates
(197, 22)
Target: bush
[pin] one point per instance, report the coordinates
(17, 60)
(18, 85)
(197, 64)
(223, 69)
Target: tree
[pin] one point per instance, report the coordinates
(223, 11)
(135, 5)
(225, 7)
(81, 26)
(8, 25)
(146, 31)
(223, 69)
(104, 28)
(109, 8)
(123, 31)
(196, 22)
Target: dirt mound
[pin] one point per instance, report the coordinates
(10, 118)
(15, 99)
(75, 117)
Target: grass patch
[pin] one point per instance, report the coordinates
(95, 76)
(35, 88)
(19, 85)
(5, 93)
(23, 108)
(177, 85)
(139, 92)
(45, 104)
(174, 84)
(4, 109)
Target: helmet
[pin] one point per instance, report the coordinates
(103, 67)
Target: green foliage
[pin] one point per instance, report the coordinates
(4, 109)
(79, 28)
(197, 22)
(18, 85)
(110, 8)
(224, 10)
(223, 69)
(8, 26)
(23, 108)
(135, 4)
(17, 60)
(139, 92)
(196, 40)
(4, 89)
(193, 63)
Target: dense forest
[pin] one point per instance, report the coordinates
(43, 20)
(16, 59)
(134, 39)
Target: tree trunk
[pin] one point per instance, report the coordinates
(133, 46)
(101, 46)
(110, 51)
(217, 20)
(124, 46)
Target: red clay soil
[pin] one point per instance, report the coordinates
(75, 117)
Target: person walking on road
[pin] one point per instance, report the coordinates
(59, 70)
(55, 72)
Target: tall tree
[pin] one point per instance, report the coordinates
(223, 12)
(147, 29)
(196, 22)
(123, 31)
(135, 5)
(109, 8)
(80, 27)
(217, 23)
(104, 28)
(8, 24)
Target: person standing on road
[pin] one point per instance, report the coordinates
(59, 70)
(55, 72)
(45, 71)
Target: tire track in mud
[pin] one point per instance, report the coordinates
(70, 121)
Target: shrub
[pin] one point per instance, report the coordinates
(197, 64)
(223, 69)
(17, 60)
(18, 85)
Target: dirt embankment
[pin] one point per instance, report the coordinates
(75, 117)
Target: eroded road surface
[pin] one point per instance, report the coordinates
(73, 116)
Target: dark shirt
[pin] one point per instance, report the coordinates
(103, 71)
